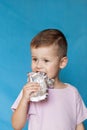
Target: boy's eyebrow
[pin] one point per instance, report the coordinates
(47, 57)
(42, 57)
(33, 56)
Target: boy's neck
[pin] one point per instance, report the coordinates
(58, 84)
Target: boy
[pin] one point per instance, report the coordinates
(64, 108)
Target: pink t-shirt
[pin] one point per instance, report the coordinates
(62, 110)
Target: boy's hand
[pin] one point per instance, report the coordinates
(29, 89)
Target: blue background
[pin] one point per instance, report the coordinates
(20, 20)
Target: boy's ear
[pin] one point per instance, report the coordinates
(63, 62)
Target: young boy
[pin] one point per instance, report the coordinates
(63, 109)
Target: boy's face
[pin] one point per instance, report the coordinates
(45, 59)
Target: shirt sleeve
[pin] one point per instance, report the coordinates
(15, 104)
(31, 107)
(81, 110)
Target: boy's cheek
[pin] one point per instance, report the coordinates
(50, 73)
(33, 68)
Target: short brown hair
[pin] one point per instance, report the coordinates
(51, 37)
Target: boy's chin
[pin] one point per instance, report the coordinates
(49, 76)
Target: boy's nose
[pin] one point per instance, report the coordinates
(39, 66)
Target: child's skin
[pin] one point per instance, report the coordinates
(44, 59)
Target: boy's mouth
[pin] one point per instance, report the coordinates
(41, 72)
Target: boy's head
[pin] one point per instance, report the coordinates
(50, 37)
(49, 50)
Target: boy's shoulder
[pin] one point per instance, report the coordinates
(72, 88)
(73, 92)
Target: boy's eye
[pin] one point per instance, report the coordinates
(46, 60)
(34, 59)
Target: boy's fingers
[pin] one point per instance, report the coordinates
(28, 86)
(31, 84)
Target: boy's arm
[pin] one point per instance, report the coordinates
(19, 116)
(80, 127)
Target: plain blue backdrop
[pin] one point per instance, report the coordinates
(20, 20)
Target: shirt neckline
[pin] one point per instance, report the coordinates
(61, 88)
